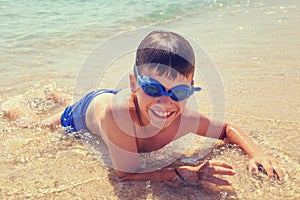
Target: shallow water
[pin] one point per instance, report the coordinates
(42, 164)
(255, 45)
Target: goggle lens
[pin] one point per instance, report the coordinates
(153, 88)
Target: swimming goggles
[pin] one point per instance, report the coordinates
(153, 88)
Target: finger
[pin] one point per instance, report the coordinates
(253, 167)
(219, 163)
(218, 181)
(268, 167)
(223, 171)
(279, 172)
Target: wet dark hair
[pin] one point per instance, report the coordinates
(160, 49)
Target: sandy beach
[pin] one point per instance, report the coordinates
(256, 51)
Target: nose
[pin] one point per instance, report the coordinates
(164, 100)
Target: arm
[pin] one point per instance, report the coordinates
(188, 175)
(234, 135)
(126, 164)
(124, 154)
(257, 156)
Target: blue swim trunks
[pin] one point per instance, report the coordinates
(73, 118)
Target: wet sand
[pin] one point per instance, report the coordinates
(257, 55)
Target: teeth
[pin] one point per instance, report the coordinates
(161, 114)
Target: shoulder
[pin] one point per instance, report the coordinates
(95, 111)
(192, 120)
(117, 124)
(108, 116)
(106, 102)
(202, 124)
(196, 121)
(101, 108)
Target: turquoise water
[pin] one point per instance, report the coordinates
(42, 38)
(23, 20)
(52, 38)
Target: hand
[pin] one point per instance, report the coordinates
(209, 169)
(269, 165)
(206, 173)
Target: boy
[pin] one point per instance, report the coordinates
(154, 112)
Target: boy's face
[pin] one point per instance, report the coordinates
(162, 110)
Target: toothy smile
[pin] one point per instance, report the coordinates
(162, 113)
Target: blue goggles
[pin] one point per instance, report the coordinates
(154, 88)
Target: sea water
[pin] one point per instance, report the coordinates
(45, 43)
(53, 37)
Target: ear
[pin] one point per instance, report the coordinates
(133, 83)
(192, 83)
